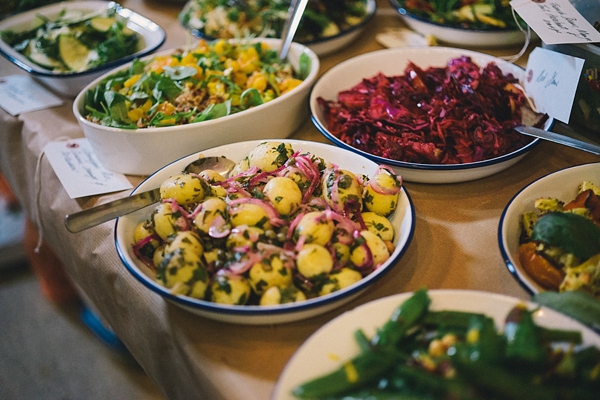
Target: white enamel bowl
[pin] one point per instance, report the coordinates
(393, 62)
(143, 151)
(334, 343)
(70, 84)
(561, 184)
(480, 38)
(403, 221)
(326, 45)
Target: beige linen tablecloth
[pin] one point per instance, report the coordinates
(190, 357)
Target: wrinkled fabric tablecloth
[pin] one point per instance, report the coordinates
(190, 357)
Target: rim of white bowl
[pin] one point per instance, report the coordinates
(306, 84)
(371, 9)
(35, 70)
(512, 268)
(286, 308)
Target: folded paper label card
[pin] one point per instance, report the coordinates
(556, 21)
(20, 94)
(551, 81)
(80, 172)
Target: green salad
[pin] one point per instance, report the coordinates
(424, 354)
(265, 18)
(75, 40)
(470, 14)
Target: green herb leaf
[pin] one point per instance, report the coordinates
(577, 304)
(572, 232)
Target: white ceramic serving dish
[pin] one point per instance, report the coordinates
(327, 45)
(462, 36)
(393, 62)
(70, 84)
(402, 219)
(561, 184)
(334, 343)
(143, 151)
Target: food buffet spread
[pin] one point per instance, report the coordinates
(404, 210)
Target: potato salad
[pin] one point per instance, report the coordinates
(284, 226)
(560, 242)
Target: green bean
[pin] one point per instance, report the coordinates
(449, 319)
(403, 318)
(524, 340)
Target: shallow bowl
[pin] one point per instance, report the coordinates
(393, 62)
(70, 84)
(561, 184)
(402, 219)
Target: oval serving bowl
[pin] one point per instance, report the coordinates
(402, 220)
(333, 343)
(493, 37)
(561, 184)
(70, 84)
(393, 62)
(321, 46)
(143, 151)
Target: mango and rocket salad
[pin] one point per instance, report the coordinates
(213, 80)
(560, 242)
(285, 226)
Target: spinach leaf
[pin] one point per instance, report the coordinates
(214, 111)
(304, 65)
(165, 89)
(180, 72)
(250, 98)
(577, 304)
(117, 107)
(572, 232)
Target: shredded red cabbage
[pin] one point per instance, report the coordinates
(442, 115)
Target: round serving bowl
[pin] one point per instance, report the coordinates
(321, 46)
(562, 185)
(392, 62)
(481, 38)
(335, 343)
(70, 84)
(402, 219)
(143, 151)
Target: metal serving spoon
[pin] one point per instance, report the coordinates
(559, 138)
(290, 26)
(91, 217)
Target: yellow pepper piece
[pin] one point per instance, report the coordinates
(289, 84)
(220, 46)
(258, 81)
(135, 114)
(131, 81)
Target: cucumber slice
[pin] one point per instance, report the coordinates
(73, 53)
(41, 59)
(102, 24)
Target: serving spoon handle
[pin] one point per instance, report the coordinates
(290, 26)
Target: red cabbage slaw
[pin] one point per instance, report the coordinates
(456, 114)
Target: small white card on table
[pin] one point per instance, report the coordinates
(20, 94)
(556, 21)
(551, 81)
(80, 172)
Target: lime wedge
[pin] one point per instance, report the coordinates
(73, 53)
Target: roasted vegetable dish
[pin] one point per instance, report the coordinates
(75, 40)
(456, 114)
(468, 14)
(560, 242)
(212, 80)
(265, 18)
(420, 353)
(284, 227)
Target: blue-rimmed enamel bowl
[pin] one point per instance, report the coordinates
(321, 46)
(70, 84)
(403, 220)
(562, 185)
(393, 62)
(480, 38)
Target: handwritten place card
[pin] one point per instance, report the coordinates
(551, 81)
(556, 21)
(80, 172)
(20, 94)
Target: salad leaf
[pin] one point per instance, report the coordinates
(579, 305)
(117, 107)
(572, 232)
